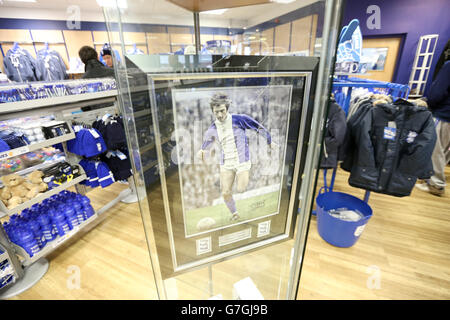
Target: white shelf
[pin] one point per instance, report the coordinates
(3, 257)
(40, 166)
(36, 146)
(42, 196)
(11, 107)
(51, 246)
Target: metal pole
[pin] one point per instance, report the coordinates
(330, 34)
(197, 32)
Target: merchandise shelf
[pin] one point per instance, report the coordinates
(12, 107)
(150, 165)
(51, 246)
(151, 145)
(5, 211)
(40, 166)
(141, 113)
(36, 146)
(3, 257)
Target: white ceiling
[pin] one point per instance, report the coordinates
(148, 11)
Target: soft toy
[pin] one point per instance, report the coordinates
(5, 195)
(35, 185)
(14, 202)
(14, 187)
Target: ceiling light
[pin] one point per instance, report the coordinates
(122, 4)
(218, 11)
(282, 1)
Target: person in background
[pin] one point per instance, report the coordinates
(107, 56)
(439, 104)
(93, 68)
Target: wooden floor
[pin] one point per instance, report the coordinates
(403, 253)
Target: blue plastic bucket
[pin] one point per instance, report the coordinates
(337, 232)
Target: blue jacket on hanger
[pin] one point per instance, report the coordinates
(50, 65)
(20, 66)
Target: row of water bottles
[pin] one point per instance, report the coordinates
(44, 222)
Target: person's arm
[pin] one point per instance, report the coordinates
(250, 123)
(439, 88)
(209, 139)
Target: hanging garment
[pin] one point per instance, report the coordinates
(392, 146)
(50, 65)
(20, 66)
(336, 128)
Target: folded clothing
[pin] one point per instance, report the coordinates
(13, 140)
(4, 146)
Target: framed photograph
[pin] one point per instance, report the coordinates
(237, 171)
(230, 148)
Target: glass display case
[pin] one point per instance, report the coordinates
(225, 150)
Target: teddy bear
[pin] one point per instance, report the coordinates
(35, 185)
(14, 191)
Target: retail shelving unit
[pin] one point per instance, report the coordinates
(36, 146)
(30, 269)
(42, 196)
(28, 260)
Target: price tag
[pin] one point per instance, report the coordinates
(94, 133)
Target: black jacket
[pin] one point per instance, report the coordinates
(334, 135)
(386, 163)
(96, 69)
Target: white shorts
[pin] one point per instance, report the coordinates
(234, 165)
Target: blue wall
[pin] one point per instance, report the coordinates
(409, 18)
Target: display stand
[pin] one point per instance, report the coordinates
(343, 87)
(32, 274)
(29, 270)
(342, 90)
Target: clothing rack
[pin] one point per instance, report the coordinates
(343, 87)
(342, 90)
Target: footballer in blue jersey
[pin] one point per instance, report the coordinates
(228, 130)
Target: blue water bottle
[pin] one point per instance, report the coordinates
(27, 241)
(88, 210)
(35, 228)
(71, 215)
(60, 222)
(46, 227)
(79, 210)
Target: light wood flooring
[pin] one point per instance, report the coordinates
(403, 253)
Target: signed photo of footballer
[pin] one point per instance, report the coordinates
(231, 148)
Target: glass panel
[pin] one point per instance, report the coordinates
(227, 228)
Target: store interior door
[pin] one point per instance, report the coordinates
(392, 46)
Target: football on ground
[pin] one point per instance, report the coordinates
(206, 223)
